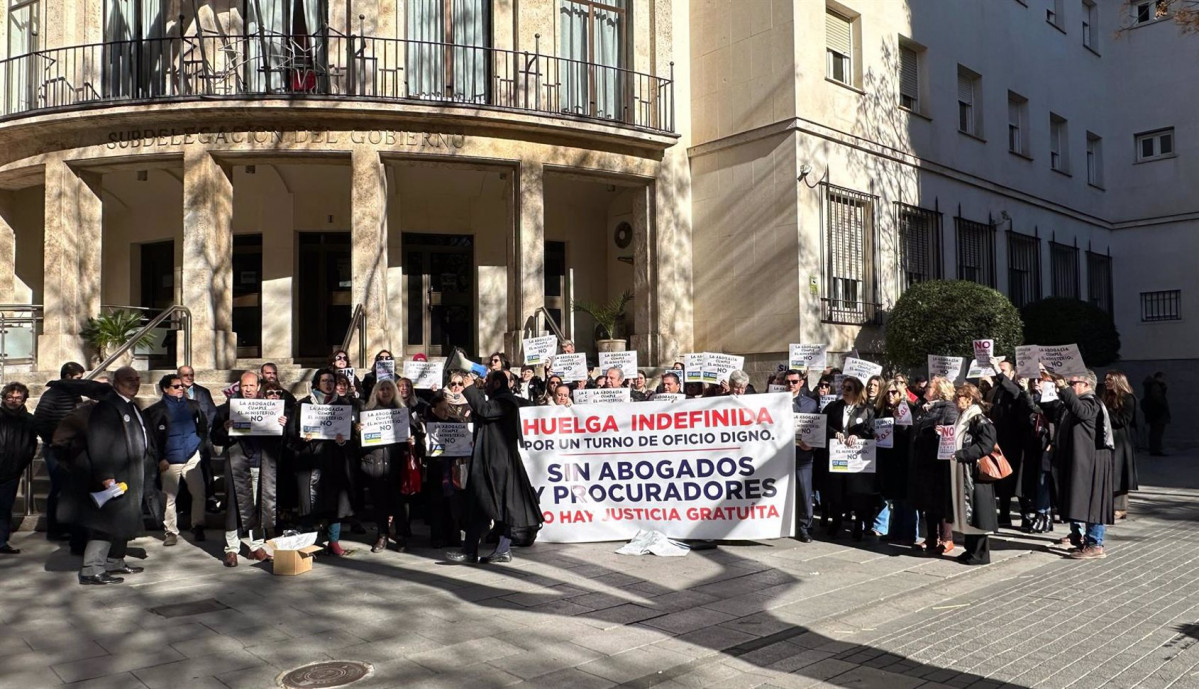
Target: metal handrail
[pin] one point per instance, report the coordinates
(154, 323)
(542, 317)
(357, 322)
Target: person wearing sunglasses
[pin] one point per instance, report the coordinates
(339, 361)
(850, 420)
(974, 515)
(804, 456)
(369, 380)
(1082, 458)
(178, 429)
(894, 463)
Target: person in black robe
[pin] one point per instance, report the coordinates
(498, 487)
(929, 488)
(1122, 407)
(850, 419)
(1009, 411)
(1082, 463)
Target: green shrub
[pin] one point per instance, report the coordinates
(1061, 320)
(945, 317)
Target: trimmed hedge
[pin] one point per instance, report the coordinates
(1061, 320)
(945, 317)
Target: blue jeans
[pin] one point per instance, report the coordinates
(8, 496)
(883, 520)
(1094, 533)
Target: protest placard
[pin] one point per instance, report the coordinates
(948, 444)
(625, 361)
(425, 375)
(717, 367)
(826, 400)
(255, 417)
(812, 429)
(710, 468)
(884, 432)
(807, 357)
(449, 439)
(348, 372)
(385, 370)
(600, 395)
(776, 388)
(861, 369)
(1048, 391)
(571, 367)
(859, 459)
(1062, 360)
(1027, 360)
(384, 427)
(978, 371)
(669, 397)
(903, 415)
(325, 421)
(948, 366)
(983, 351)
(538, 350)
(693, 367)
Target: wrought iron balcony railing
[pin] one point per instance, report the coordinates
(333, 66)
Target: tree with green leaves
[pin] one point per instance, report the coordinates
(945, 317)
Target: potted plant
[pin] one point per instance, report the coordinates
(109, 331)
(609, 318)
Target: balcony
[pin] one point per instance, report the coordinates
(327, 66)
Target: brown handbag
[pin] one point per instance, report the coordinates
(993, 467)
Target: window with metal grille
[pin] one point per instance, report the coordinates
(919, 244)
(1063, 264)
(1099, 280)
(1161, 306)
(849, 253)
(976, 251)
(909, 78)
(1023, 268)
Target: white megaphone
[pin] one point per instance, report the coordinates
(459, 362)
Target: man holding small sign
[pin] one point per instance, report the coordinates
(805, 408)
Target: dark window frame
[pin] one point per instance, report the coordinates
(1162, 305)
(975, 251)
(850, 282)
(919, 263)
(1099, 281)
(1024, 268)
(1063, 270)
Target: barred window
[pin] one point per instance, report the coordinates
(919, 244)
(1063, 262)
(1161, 306)
(1099, 280)
(976, 251)
(849, 247)
(1023, 268)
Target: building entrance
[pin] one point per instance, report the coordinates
(439, 272)
(325, 276)
(247, 294)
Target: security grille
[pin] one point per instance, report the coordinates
(919, 244)
(976, 251)
(1099, 280)
(1023, 269)
(849, 250)
(1063, 262)
(1161, 306)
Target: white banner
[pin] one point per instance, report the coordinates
(571, 367)
(385, 370)
(449, 439)
(711, 468)
(948, 366)
(325, 421)
(948, 443)
(1063, 360)
(884, 433)
(861, 369)
(812, 429)
(425, 375)
(538, 350)
(255, 417)
(1026, 361)
(903, 415)
(983, 351)
(986, 369)
(859, 459)
(625, 361)
(693, 368)
(600, 395)
(807, 357)
(384, 427)
(717, 367)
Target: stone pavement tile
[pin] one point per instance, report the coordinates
(450, 634)
(648, 661)
(40, 676)
(570, 677)
(598, 600)
(870, 678)
(770, 654)
(480, 675)
(165, 636)
(101, 666)
(301, 650)
(716, 638)
(68, 651)
(533, 638)
(124, 680)
(10, 644)
(562, 608)
(800, 658)
(258, 677)
(826, 669)
(209, 645)
(548, 658)
(707, 674)
(689, 620)
(677, 601)
(622, 614)
(448, 658)
(618, 639)
(758, 624)
(170, 674)
(649, 588)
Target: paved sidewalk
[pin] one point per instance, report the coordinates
(773, 613)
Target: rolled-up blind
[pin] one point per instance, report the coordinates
(838, 33)
(965, 89)
(909, 84)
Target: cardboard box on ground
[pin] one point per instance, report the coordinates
(293, 554)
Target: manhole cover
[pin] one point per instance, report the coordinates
(332, 673)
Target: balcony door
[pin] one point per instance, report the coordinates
(288, 46)
(448, 50)
(24, 38)
(137, 50)
(592, 42)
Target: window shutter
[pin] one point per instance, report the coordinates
(1055, 136)
(1013, 113)
(965, 89)
(838, 34)
(909, 84)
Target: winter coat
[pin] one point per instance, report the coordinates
(929, 488)
(1082, 464)
(1010, 412)
(498, 483)
(320, 468)
(973, 502)
(60, 399)
(840, 488)
(244, 511)
(18, 443)
(158, 425)
(1124, 457)
(203, 397)
(894, 463)
(1154, 401)
(116, 449)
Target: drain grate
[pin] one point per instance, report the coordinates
(331, 673)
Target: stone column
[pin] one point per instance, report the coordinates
(208, 259)
(8, 250)
(368, 244)
(645, 284)
(527, 250)
(71, 262)
(671, 217)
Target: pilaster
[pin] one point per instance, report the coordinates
(368, 244)
(208, 258)
(71, 262)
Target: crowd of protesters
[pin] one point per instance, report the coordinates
(1069, 440)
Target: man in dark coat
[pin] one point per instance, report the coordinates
(117, 449)
(498, 486)
(18, 443)
(1156, 406)
(1083, 465)
(56, 402)
(1010, 412)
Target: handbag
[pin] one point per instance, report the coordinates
(376, 465)
(993, 466)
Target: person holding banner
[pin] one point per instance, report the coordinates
(973, 514)
(447, 468)
(850, 419)
(320, 467)
(251, 470)
(894, 464)
(498, 486)
(369, 380)
(383, 467)
(639, 390)
(929, 487)
(671, 384)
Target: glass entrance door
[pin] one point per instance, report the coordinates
(325, 278)
(247, 294)
(439, 274)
